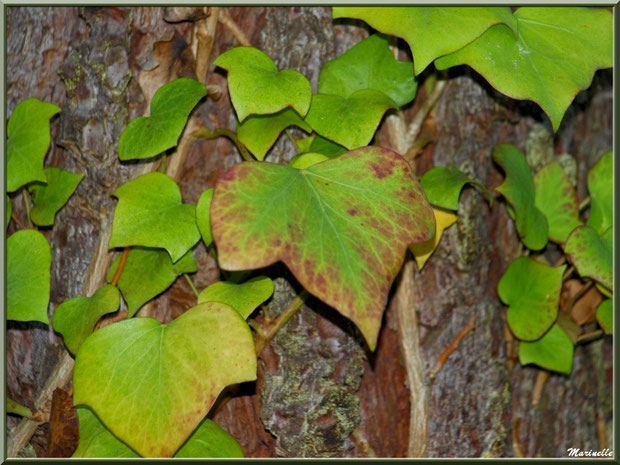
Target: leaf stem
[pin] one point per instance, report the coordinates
(121, 265)
(291, 138)
(567, 273)
(471, 324)
(584, 203)
(418, 120)
(191, 284)
(234, 29)
(206, 133)
(17, 220)
(587, 337)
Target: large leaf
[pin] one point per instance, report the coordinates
(257, 87)
(423, 251)
(28, 276)
(203, 217)
(49, 198)
(152, 384)
(244, 297)
(554, 351)
(28, 132)
(260, 132)
(76, 318)
(442, 185)
(341, 226)
(557, 200)
(150, 213)
(147, 273)
(171, 105)
(370, 64)
(592, 256)
(518, 189)
(351, 121)
(555, 55)
(605, 316)
(430, 31)
(532, 292)
(601, 188)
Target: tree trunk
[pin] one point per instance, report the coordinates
(320, 393)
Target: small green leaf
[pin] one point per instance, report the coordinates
(150, 213)
(28, 132)
(303, 145)
(203, 216)
(605, 316)
(244, 298)
(370, 64)
(555, 55)
(147, 273)
(8, 211)
(601, 188)
(326, 147)
(49, 198)
(76, 318)
(171, 105)
(306, 160)
(352, 121)
(442, 185)
(210, 441)
(28, 262)
(557, 200)
(152, 384)
(591, 256)
(532, 292)
(17, 409)
(430, 31)
(554, 351)
(259, 132)
(257, 87)
(518, 189)
(341, 226)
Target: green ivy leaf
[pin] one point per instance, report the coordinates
(532, 292)
(370, 64)
(28, 262)
(303, 145)
(210, 441)
(605, 316)
(351, 121)
(28, 133)
(259, 132)
(326, 147)
(555, 55)
(147, 273)
(51, 197)
(152, 384)
(8, 211)
(257, 87)
(557, 200)
(341, 226)
(150, 213)
(601, 188)
(518, 189)
(554, 351)
(591, 256)
(244, 298)
(76, 318)
(203, 217)
(306, 160)
(431, 31)
(171, 105)
(442, 185)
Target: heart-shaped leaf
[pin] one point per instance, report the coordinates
(430, 31)
(306, 160)
(592, 256)
(351, 121)
(152, 384)
(601, 188)
(208, 441)
(341, 226)
(171, 105)
(28, 132)
(150, 213)
(605, 316)
(370, 64)
(554, 56)
(557, 199)
(49, 198)
(554, 351)
(203, 217)
(257, 87)
(532, 292)
(28, 276)
(326, 147)
(423, 251)
(147, 273)
(442, 185)
(244, 298)
(259, 132)
(76, 318)
(518, 189)
(8, 211)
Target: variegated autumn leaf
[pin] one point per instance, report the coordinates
(341, 226)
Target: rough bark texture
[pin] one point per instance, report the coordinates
(319, 393)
